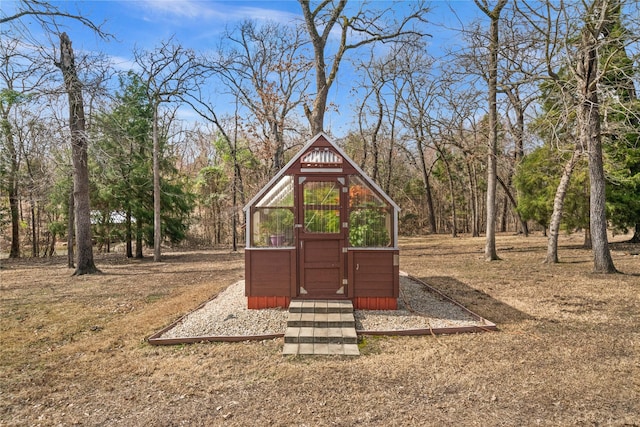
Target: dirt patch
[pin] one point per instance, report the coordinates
(74, 351)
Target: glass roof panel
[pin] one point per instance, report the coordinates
(360, 194)
(280, 195)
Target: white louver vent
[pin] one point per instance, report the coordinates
(321, 158)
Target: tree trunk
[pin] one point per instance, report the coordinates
(427, 190)
(15, 221)
(139, 241)
(390, 156)
(374, 139)
(590, 136)
(490, 253)
(518, 133)
(234, 220)
(12, 185)
(35, 249)
(525, 226)
(587, 244)
(504, 214)
(454, 216)
(79, 142)
(108, 235)
(431, 211)
(157, 224)
(518, 157)
(603, 263)
(636, 235)
(558, 204)
(473, 201)
(71, 231)
(129, 234)
(509, 195)
(316, 114)
(52, 246)
(323, 82)
(277, 159)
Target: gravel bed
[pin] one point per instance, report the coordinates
(418, 308)
(227, 315)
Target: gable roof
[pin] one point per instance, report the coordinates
(303, 151)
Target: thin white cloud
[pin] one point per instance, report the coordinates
(181, 9)
(123, 64)
(256, 13)
(212, 11)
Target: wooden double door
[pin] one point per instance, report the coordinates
(322, 236)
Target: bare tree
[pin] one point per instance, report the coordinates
(265, 69)
(487, 63)
(418, 97)
(578, 42)
(380, 103)
(599, 15)
(46, 14)
(546, 28)
(520, 76)
(490, 253)
(445, 156)
(558, 205)
(16, 79)
(452, 140)
(473, 148)
(364, 26)
(79, 143)
(169, 72)
(33, 137)
(206, 110)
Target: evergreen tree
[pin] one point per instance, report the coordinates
(124, 162)
(621, 132)
(123, 159)
(536, 180)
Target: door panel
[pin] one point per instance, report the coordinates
(321, 237)
(322, 268)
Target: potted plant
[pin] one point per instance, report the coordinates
(277, 226)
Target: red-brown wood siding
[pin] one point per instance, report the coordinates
(270, 273)
(267, 302)
(373, 274)
(366, 303)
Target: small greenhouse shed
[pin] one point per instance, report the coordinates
(322, 229)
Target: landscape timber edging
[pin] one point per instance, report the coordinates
(486, 327)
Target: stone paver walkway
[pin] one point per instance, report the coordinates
(321, 327)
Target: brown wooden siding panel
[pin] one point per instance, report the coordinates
(370, 303)
(267, 302)
(269, 273)
(373, 274)
(378, 284)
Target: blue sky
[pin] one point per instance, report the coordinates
(198, 23)
(144, 24)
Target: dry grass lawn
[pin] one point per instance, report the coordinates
(73, 349)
